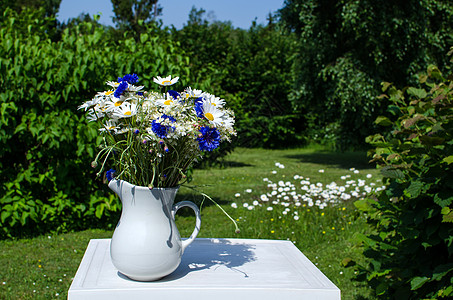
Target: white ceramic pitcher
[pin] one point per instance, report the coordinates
(146, 244)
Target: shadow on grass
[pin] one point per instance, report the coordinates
(235, 164)
(346, 160)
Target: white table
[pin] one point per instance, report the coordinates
(211, 269)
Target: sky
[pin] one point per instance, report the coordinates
(175, 12)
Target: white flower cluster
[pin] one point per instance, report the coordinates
(183, 112)
(168, 130)
(305, 193)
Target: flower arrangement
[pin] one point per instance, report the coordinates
(153, 137)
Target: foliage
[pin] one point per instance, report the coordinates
(49, 7)
(250, 67)
(411, 252)
(46, 147)
(346, 48)
(133, 15)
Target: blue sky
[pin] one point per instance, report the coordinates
(176, 12)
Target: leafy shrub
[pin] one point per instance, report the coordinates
(411, 250)
(250, 67)
(46, 145)
(346, 48)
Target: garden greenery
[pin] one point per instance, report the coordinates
(46, 145)
(411, 251)
(312, 83)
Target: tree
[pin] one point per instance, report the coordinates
(51, 7)
(135, 14)
(347, 48)
(249, 68)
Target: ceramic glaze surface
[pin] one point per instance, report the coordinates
(146, 244)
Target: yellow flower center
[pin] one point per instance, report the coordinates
(118, 103)
(108, 92)
(209, 116)
(168, 102)
(128, 113)
(166, 82)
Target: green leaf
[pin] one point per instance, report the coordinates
(447, 215)
(431, 141)
(381, 288)
(143, 37)
(4, 216)
(418, 282)
(383, 121)
(448, 159)
(385, 86)
(441, 271)
(414, 189)
(392, 172)
(419, 93)
(443, 199)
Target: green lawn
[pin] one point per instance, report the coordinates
(274, 185)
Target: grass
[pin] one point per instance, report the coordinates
(43, 267)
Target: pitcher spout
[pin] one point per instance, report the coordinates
(115, 185)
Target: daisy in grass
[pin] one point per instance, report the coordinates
(166, 80)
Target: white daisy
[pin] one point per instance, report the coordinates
(126, 110)
(114, 103)
(90, 103)
(216, 101)
(166, 102)
(113, 84)
(165, 81)
(212, 113)
(192, 93)
(110, 125)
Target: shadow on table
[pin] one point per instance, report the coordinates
(213, 253)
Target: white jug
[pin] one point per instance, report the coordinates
(146, 244)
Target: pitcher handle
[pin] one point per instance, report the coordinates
(194, 234)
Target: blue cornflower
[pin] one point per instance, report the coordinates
(162, 130)
(131, 78)
(120, 89)
(164, 116)
(109, 174)
(174, 94)
(209, 139)
(140, 93)
(199, 109)
(136, 131)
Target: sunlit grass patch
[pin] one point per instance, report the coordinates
(272, 194)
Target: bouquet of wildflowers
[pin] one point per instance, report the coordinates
(153, 137)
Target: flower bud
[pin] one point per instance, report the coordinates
(94, 164)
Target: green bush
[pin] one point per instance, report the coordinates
(46, 145)
(411, 251)
(249, 67)
(346, 48)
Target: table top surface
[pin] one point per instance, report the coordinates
(233, 265)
